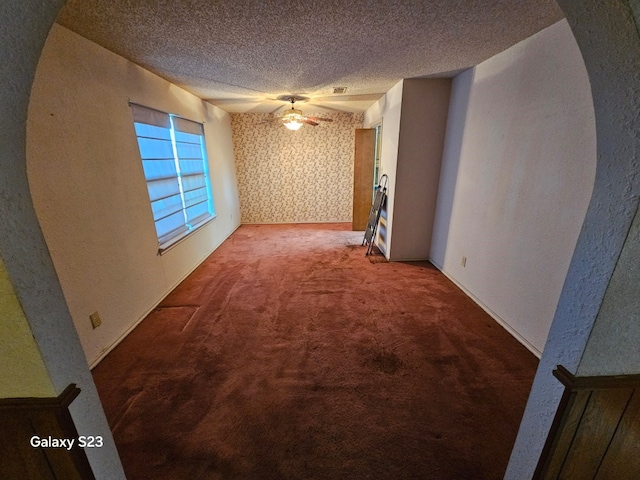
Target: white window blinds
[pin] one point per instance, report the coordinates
(175, 167)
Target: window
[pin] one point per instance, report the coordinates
(174, 161)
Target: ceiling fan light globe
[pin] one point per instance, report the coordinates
(292, 124)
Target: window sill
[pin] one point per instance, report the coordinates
(168, 245)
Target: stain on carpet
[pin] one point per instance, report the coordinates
(387, 362)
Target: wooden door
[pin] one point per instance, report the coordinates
(363, 166)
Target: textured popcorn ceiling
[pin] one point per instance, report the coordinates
(242, 55)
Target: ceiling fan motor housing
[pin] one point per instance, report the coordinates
(293, 113)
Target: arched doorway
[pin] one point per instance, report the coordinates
(607, 35)
(25, 25)
(608, 38)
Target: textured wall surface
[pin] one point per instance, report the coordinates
(93, 206)
(24, 373)
(612, 348)
(610, 45)
(518, 172)
(423, 123)
(25, 25)
(301, 176)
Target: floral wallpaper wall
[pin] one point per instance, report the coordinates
(295, 176)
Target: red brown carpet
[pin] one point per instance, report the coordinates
(289, 355)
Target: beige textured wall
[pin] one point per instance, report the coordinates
(413, 115)
(23, 372)
(423, 122)
(89, 191)
(295, 177)
(517, 174)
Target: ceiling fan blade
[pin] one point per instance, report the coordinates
(280, 107)
(319, 119)
(309, 122)
(269, 120)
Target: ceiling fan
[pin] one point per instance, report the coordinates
(293, 118)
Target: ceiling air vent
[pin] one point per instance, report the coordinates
(339, 89)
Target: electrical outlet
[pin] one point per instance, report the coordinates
(95, 320)
(464, 261)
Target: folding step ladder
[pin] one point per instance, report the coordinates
(374, 215)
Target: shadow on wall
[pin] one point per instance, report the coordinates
(456, 123)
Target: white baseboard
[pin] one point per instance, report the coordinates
(502, 322)
(136, 322)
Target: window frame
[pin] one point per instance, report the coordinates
(185, 198)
